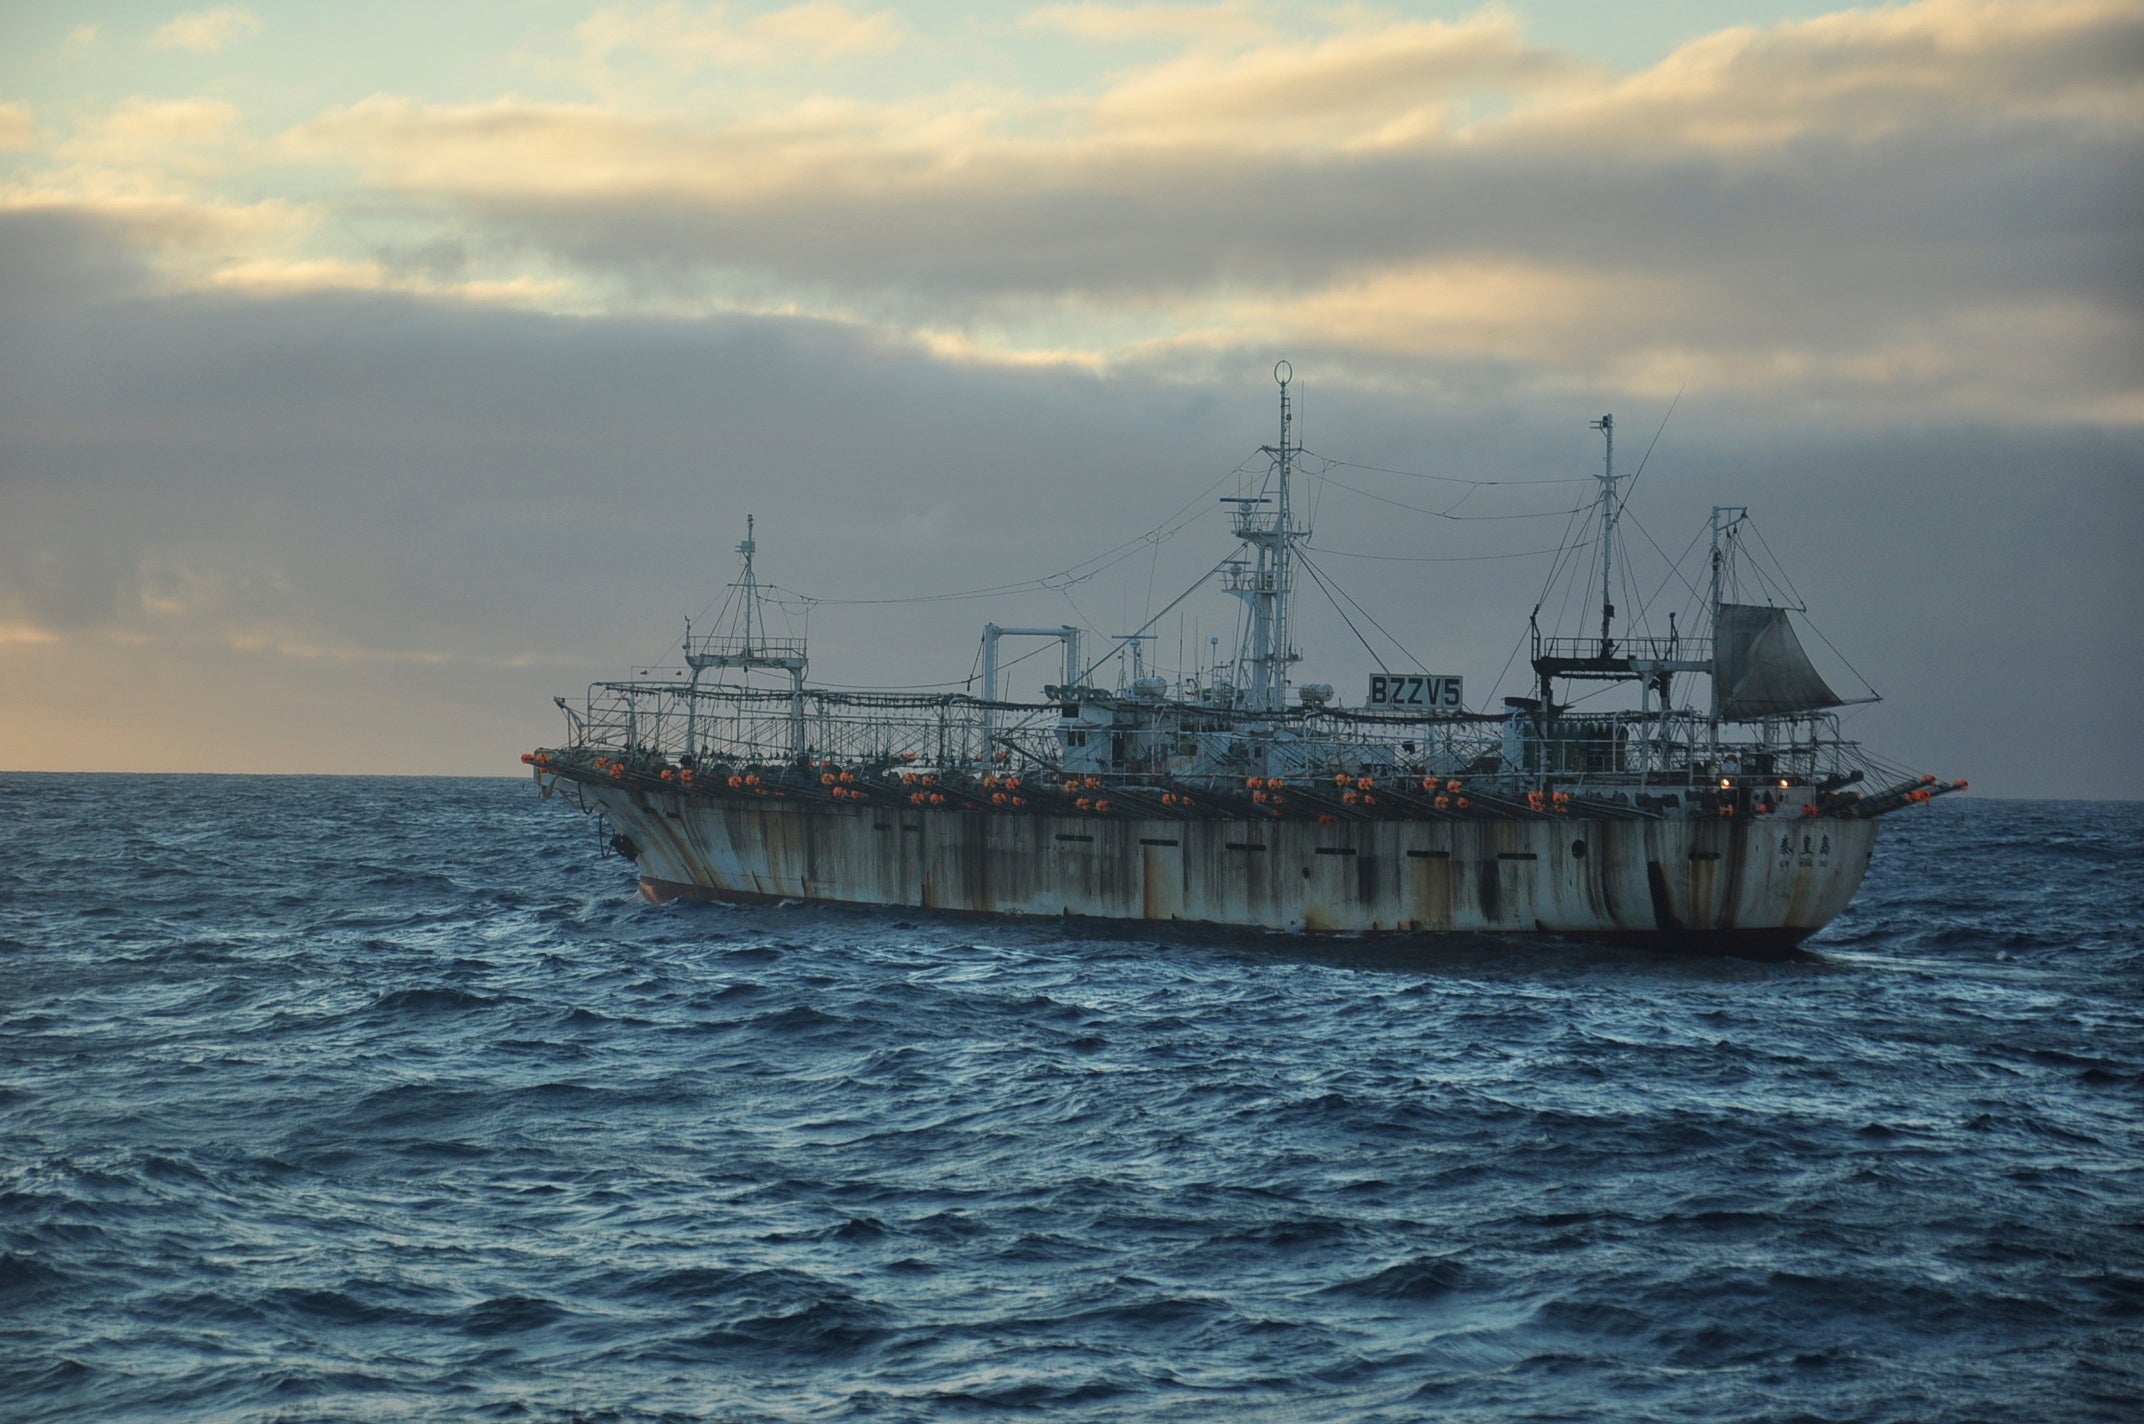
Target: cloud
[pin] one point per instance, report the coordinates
(376, 530)
(16, 129)
(20, 634)
(1865, 75)
(207, 31)
(1229, 21)
(1846, 210)
(288, 276)
(1373, 85)
(151, 167)
(1913, 211)
(680, 35)
(141, 132)
(283, 644)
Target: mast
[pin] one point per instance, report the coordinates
(1722, 532)
(749, 648)
(749, 547)
(1606, 426)
(1268, 582)
(1282, 550)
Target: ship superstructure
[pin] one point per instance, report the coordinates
(1739, 822)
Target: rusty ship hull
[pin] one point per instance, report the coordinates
(1749, 887)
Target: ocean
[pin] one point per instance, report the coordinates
(355, 1098)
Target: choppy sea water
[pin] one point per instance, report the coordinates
(382, 1099)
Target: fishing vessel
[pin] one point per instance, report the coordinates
(1723, 812)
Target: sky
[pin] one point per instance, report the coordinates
(370, 374)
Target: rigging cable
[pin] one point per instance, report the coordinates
(1445, 513)
(1430, 558)
(1314, 578)
(1443, 479)
(1319, 574)
(1169, 526)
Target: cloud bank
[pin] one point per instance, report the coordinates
(206, 31)
(370, 429)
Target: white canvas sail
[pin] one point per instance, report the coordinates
(1759, 668)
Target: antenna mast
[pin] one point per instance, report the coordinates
(1606, 426)
(1725, 519)
(1265, 582)
(1277, 697)
(749, 547)
(748, 647)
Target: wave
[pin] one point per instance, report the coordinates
(445, 1151)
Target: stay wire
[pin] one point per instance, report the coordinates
(1319, 574)
(1375, 657)
(1442, 479)
(1430, 558)
(1639, 473)
(1167, 528)
(1446, 512)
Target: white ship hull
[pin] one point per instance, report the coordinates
(1749, 886)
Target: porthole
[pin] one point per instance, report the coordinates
(1578, 850)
